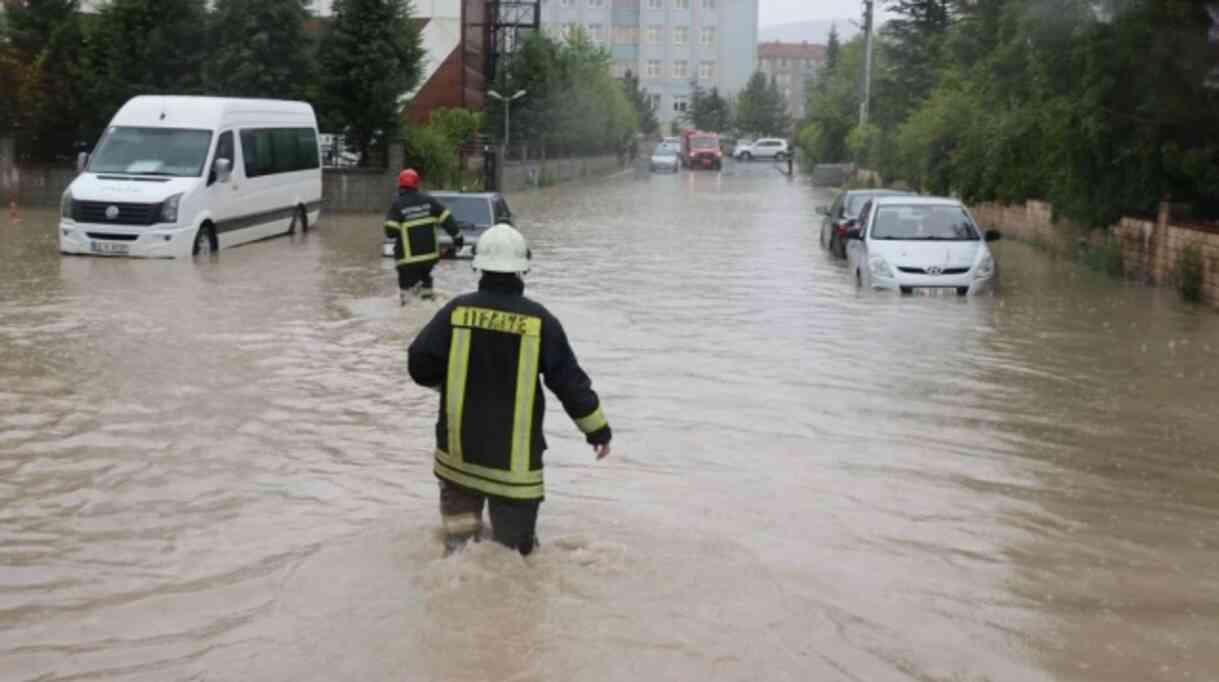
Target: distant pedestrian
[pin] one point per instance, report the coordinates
(484, 351)
(411, 222)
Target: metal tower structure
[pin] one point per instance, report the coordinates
(508, 22)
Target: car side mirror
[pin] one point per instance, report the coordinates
(223, 168)
(993, 235)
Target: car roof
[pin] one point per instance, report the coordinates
(877, 192)
(910, 200)
(476, 195)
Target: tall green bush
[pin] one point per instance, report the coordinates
(1189, 273)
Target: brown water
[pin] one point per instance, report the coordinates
(219, 470)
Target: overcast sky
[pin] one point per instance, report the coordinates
(786, 11)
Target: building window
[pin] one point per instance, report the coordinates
(653, 68)
(708, 4)
(680, 35)
(626, 35)
(596, 4)
(655, 99)
(706, 71)
(783, 62)
(681, 69)
(680, 104)
(565, 3)
(597, 33)
(681, 4)
(653, 34)
(656, 4)
(708, 36)
(784, 79)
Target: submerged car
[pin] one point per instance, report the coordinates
(665, 159)
(911, 244)
(474, 212)
(843, 214)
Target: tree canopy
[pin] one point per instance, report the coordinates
(761, 108)
(260, 49)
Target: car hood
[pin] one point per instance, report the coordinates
(664, 159)
(914, 254)
(123, 189)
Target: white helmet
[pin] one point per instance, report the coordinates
(501, 249)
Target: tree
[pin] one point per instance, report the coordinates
(707, 109)
(761, 108)
(370, 58)
(832, 49)
(645, 107)
(41, 65)
(915, 37)
(260, 49)
(143, 47)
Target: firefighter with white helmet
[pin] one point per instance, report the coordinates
(485, 351)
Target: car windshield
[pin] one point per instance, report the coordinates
(665, 150)
(703, 143)
(175, 152)
(856, 201)
(923, 223)
(473, 210)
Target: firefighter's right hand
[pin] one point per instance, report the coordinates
(602, 450)
(460, 240)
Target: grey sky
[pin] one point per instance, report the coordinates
(786, 11)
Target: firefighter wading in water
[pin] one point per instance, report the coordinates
(411, 222)
(485, 351)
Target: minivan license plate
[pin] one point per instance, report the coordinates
(110, 247)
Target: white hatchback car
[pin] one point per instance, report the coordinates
(910, 243)
(765, 148)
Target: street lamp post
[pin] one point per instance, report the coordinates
(507, 111)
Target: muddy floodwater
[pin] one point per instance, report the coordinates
(219, 470)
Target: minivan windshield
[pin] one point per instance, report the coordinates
(473, 210)
(924, 223)
(175, 152)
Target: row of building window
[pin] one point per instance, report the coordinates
(653, 69)
(783, 64)
(650, 4)
(629, 35)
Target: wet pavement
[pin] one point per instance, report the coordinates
(220, 471)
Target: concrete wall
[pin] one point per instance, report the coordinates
(1151, 249)
(30, 185)
(520, 176)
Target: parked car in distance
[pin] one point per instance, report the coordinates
(673, 143)
(474, 212)
(843, 213)
(910, 244)
(665, 159)
(740, 147)
(764, 148)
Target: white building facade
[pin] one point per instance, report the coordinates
(668, 43)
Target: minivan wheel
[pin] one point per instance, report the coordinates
(962, 291)
(907, 290)
(205, 241)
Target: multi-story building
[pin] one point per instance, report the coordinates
(793, 66)
(668, 43)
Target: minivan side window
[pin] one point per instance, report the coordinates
(269, 151)
(224, 150)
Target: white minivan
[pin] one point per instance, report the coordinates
(176, 176)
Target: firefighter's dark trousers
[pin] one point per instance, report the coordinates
(415, 273)
(513, 522)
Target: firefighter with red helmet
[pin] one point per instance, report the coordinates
(411, 222)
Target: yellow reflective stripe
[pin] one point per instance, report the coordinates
(460, 524)
(406, 224)
(455, 387)
(516, 492)
(496, 321)
(392, 224)
(593, 422)
(444, 216)
(526, 387)
(497, 475)
(418, 259)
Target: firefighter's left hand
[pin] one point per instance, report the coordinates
(602, 451)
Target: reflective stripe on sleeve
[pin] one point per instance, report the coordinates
(455, 386)
(593, 422)
(444, 216)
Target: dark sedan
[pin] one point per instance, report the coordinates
(843, 214)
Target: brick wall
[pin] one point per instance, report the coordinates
(1151, 249)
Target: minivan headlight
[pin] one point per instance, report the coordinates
(880, 267)
(169, 209)
(65, 205)
(986, 268)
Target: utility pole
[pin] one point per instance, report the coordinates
(867, 61)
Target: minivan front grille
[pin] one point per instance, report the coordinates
(123, 214)
(944, 271)
(113, 237)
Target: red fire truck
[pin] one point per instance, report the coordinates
(701, 150)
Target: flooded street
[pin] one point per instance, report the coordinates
(221, 471)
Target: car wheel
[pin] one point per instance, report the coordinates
(746, 156)
(833, 245)
(206, 243)
(962, 291)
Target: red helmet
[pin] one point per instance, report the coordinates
(408, 179)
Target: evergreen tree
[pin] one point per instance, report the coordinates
(832, 49)
(370, 58)
(143, 47)
(260, 49)
(644, 106)
(915, 37)
(41, 62)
